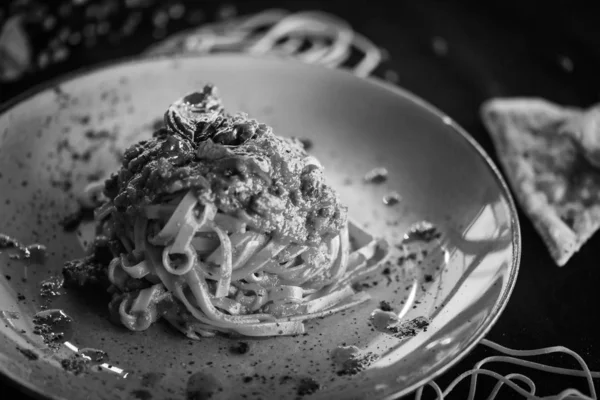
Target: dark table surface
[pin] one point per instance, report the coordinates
(512, 48)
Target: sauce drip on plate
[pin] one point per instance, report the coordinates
(204, 386)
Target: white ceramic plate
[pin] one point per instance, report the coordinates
(50, 146)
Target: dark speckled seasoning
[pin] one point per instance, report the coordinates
(98, 134)
(240, 348)
(150, 379)
(356, 364)
(203, 386)
(385, 306)
(75, 364)
(141, 394)
(307, 386)
(410, 328)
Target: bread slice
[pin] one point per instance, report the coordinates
(545, 165)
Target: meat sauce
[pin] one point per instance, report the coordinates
(268, 181)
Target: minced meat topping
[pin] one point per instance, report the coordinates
(239, 164)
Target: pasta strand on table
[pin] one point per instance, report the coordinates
(509, 379)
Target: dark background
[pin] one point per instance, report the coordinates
(508, 48)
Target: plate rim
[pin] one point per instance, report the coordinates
(31, 389)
